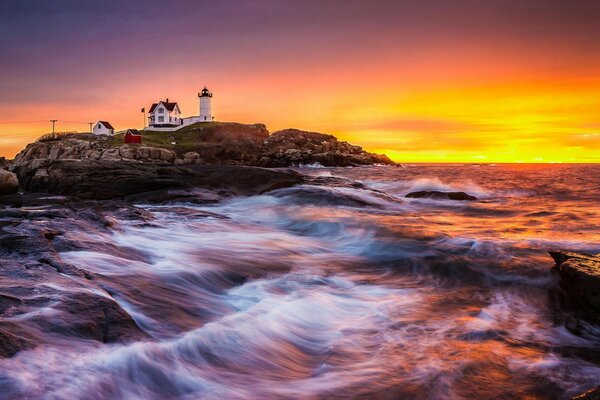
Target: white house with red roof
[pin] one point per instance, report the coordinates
(103, 128)
(164, 114)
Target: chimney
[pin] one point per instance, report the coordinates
(167, 99)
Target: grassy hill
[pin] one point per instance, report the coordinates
(205, 138)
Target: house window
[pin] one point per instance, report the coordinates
(161, 119)
(161, 110)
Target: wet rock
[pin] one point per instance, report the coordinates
(580, 279)
(334, 181)
(321, 196)
(11, 200)
(94, 317)
(434, 194)
(13, 339)
(593, 394)
(9, 183)
(35, 277)
(133, 214)
(189, 212)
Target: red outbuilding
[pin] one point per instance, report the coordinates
(133, 136)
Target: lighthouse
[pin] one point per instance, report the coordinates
(205, 110)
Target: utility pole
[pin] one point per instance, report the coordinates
(144, 118)
(53, 121)
(90, 126)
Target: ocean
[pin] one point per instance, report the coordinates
(338, 288)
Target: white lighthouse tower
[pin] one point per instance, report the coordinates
(205, 110)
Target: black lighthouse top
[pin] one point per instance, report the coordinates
(205, 93)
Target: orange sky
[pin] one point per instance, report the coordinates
(499, 84)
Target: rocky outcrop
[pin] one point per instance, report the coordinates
(137, 153)
(580, 279)
(9, 183)
(294, 147)
(434, 194)
(96, 149)
(105, 179)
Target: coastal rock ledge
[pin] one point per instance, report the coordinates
(223, 143)
(580, 279)
(103, 180)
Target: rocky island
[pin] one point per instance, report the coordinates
(207, 143)
(101, 167)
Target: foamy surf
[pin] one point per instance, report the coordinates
(336, 289)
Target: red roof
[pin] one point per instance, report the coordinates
(106, 125)
(168, 106)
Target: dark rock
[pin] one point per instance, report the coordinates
(94, 317)
(11, 200)
(321, 196)
(190, 212)
(293, 147)
(334, 181)
(580, 279)
(103, 180)
(593, 394)
(434, 194)
(9, 183)
(13, 339)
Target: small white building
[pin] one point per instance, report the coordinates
(164, 114)
(205, 108)
(103, 128)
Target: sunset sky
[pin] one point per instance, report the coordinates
(434, 81)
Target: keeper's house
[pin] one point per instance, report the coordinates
(164, 115)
